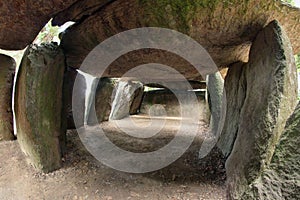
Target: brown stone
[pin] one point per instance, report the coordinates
(21, 21)
(224, 29)
(38, 105)
(7, 72)
(79, 10)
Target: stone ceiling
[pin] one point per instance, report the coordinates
(225, 28)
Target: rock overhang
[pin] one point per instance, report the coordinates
(225, 29)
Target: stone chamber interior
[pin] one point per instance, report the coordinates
(248, 125)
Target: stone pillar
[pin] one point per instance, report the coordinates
(215, 87)
(7, 72)
(38, 105)
(78, 93)
(101, 101)
(136, 101)
(125, 93)
(91, 119)
(235, 89)
(271, 96)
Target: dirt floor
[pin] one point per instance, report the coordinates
(83, 177)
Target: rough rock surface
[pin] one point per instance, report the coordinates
(226, 29)
(226, 26)
(7, 72)
(102, 101)
(235, 89)
(281, 179)
(271, 97)
(78, 93)
(79, 10)
(124, 97)
(215, 87)
(21, 21)
(38, 105)
(136, 101)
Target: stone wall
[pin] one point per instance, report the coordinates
(7, 72)
(235, 89)
(164, 102)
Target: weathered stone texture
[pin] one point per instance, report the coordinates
(79, 10)
(38, 105)
(281, 179)
(124, 97)
(21, 21)
(78, 93)
(136, 101)
(225, 29)
(235, 89)
(7, 72)
(102, 101)
(270, 99)
(215, 87)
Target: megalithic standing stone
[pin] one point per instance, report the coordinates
(271, 96)
(7, 72)
(38, 105)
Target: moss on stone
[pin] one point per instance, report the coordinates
(175, 14)
(179, 14)
(39, 105)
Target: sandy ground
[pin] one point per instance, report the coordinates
(83, 177)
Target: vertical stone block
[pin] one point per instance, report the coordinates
(38, 105)
(7, 72)
(271, 97)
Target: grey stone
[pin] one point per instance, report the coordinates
(215, 87)
(235, 88)
(124, 96)
(38, 105)
(281, 179)
(136, 101)
(101, 101)
(271, 97)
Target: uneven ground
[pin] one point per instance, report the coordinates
(83, 177)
